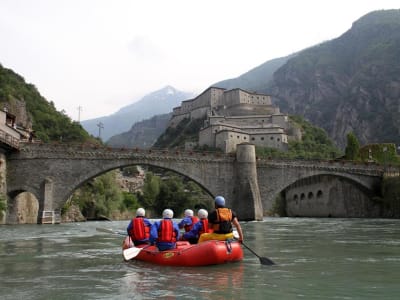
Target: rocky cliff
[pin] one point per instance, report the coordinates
(348, 84)
(142, 134)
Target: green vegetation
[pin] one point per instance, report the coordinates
(352, 151)
(385, 154)
(315, 144)
(101, 197)
(391, 196)
(172, 192)
(47, 122)
(3, 206)
(186, 131)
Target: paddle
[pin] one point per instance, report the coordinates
(131, 253)
(263, 260)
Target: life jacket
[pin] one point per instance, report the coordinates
(223, 223)
(139, 231)
(166, 232)
(204, 229)
(189, 227)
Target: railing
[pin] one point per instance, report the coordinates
(9, 139)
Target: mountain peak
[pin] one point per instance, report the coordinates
(169, 90)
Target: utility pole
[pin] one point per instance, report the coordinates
(79, 113)
(101, 126)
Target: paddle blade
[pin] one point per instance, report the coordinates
(266, 261)
(131, 253)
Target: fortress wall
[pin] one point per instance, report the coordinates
(187, 105)
(206, 137)
(272, 140)
(216, 97)
(238, 96)
(231, 97)
(228, 140)
(281, 120)
(199, 113)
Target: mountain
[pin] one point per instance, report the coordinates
(348, 84)
(33, 111)
(258, 78)
(156, 103)
(143, 134)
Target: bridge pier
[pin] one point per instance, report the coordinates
(246, 194)
(47, 215)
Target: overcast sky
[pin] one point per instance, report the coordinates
(103, 55)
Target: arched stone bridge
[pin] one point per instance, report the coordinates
(53, 171)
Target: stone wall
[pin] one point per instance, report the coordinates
(328, 196)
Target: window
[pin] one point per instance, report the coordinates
(262, 138)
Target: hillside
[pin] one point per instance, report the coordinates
(32, 110)
(349, 84)
(142, 134)
(156, 103)
(258, 78)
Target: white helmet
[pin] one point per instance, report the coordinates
(140, 212)
(188, 213)
(202, 214)
(168, 213)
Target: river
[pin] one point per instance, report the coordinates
(315, 259)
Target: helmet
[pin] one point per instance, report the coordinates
(168, 213)
(188, 213)
(220, 201)
(140, 212)
(202, 214)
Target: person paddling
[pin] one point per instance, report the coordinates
(188, 221)
(139, 228)
(165, 233)
(221, 220)
(198, 228)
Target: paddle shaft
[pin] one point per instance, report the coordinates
(263, 260)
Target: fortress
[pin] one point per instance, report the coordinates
(236, 116)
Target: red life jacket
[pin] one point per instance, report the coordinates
(189, 227)
(139, 231)
(166, 233)
(204, 229)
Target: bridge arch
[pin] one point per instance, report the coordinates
(329, 195)
(91, 175)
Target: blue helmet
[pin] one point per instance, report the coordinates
(220, 201)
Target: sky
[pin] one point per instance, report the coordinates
(93, 57)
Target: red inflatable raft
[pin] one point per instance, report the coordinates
(186, 254)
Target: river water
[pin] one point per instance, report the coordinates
(315, 259)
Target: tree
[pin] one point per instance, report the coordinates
(151, 189)
(3, 206)
(353, 147)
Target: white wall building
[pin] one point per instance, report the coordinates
(233, 117)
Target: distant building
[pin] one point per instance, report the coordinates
(235, 116)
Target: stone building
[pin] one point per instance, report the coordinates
(236, 116)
